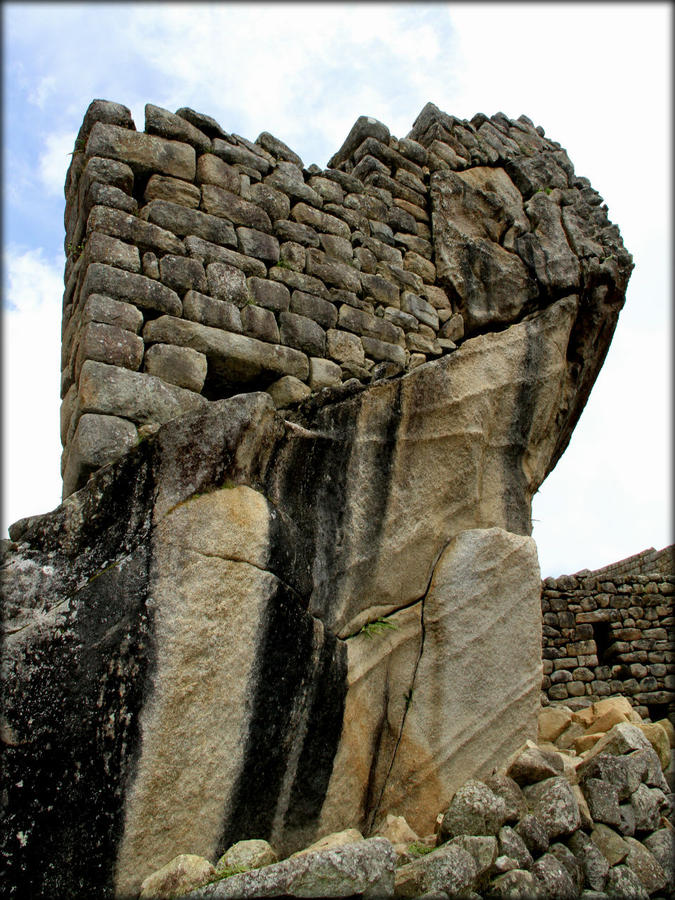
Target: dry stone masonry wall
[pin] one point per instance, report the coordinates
(605, 633)
(201, 264)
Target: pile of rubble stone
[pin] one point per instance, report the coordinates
(550, 823)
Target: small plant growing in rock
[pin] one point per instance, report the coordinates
(417, 848)
(370, 629)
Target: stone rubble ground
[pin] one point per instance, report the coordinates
(550, 823)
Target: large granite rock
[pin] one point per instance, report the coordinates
(271, 627)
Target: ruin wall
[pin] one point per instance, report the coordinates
(201, 264)
(606, 633)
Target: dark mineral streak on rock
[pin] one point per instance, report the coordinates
(65, 784)
(283, 673)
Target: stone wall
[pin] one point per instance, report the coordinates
(606, 633)
(200, 264)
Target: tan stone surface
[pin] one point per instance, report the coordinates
(331, 841)
(657, 736)
(179, 876)
(194, 724)
(553, 720)
(464, 703)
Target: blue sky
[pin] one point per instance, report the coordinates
(596, 76)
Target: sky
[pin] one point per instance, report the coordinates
(595, 76)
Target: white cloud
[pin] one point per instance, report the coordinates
(55, 159)
(30, 384)
(44, 89)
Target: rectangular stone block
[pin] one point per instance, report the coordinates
(183, 221)
(303, 333)
(380, 289)
(98, 441)
(213, 170)
(381, 351)
(109, 344)
(234, 356)
(182, 274)
(220, 202)
(99, 308)
(207, 252)
(168, 125)
(210, 311)
(237, 155)
(107, 249)
(260, 323)
(270, 294)
(258, 244)
(133, 230)
(162, 187)
(142, 398)
(372, 326)
(296, 232)
(137, 289)
(331, 271)
(316, 218)
(322, 311)
(298, 280)
(177, 365)
(344, 347)
(143, 152)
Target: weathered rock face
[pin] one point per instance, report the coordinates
(258, 625)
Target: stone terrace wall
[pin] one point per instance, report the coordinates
(611, 634)
(200, 264)
(648, 561)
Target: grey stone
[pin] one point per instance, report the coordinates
(150, 265)
(103, 248)
(645, 866)
(553, 802)
(593, 861)
(211, 311)
(323, 373)
(212, 170)
(533, 833)
(269, 294)
(288, 390)
(235, 154)
(168, 125)
(661, 844)
(453, 328)
(620, 771)
(260, 323)
(534, 764)
(321, 221)
(183, 221)
(235, 356)
(277, 148)
(206, 124)
(227, 283)
(133, 230)
(512, 845)
(322, 311)
(623, 883)
(510, 792)
(449, 868)
(363, 323)
(296, 232)
(207, 252)
(251, 854)
(107, 195)
(483, 849)
(292, 256)
(647, 763)
(141, 398)
(161, 187)
(364, 127)
(182, 274)
(298, 280)
(337, 247)
(331, 271)
(259, 244)
(383, 351)
(127, 286)
(302, 333)
(142, 152)
(626, 819)
(108, 344)
(100, 308)
(569, 861)
(344, 347)
(275, 203)
(646, 803)
(603, 801)
(516, 884)
(473, 810)
(177, 365)
(288, 179)
(98, 440)
(219, 202)
(552, 879)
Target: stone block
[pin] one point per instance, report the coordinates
(109, 344)
(322, 311)
(303, 333)
(337, 247)
(111, 251)
(298, 280)
(100, 308)
(177, 365)
(127, 286)
(227, 283)
(296, 232)
(292, 256)
(381, 351)
(183, 221)
(98, 441)
(331, 271)
(269, 294)
(321, 221)
(168, 125)
(258, 244)
(162, 187)
(275, 203)
(260, 323)
(207, 253)
(235, 356)
(421, 309)
(323, 373)
(363, 323)
(235, 154)
(133, 230)
(287, 178)
(182, 274)
(344, 347)
(142, 152)
(213, 170)
(287, 390)
(219, 202)
(211, 311)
